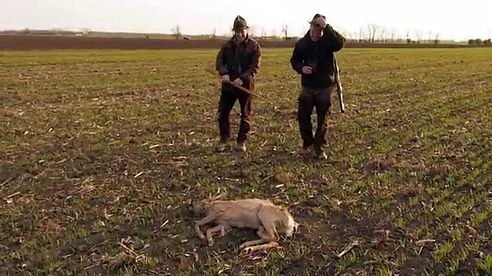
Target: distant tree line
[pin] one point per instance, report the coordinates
(369, 34)
(479, 42)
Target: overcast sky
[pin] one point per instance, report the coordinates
(450, 19)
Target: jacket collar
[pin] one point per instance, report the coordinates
(244, 42)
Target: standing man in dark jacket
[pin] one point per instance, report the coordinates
(238, 62)
(313, 58)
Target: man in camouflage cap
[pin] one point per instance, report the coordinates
(313, 58)
(238, 62)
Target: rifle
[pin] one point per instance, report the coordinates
(340, 94)
(245, 90)
(339, 86)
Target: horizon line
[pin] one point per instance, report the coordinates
(254, 34)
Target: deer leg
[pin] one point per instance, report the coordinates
(222, 231)
(210, 232)
(260, 233)
(271, 244)
(204, 221)
(267, 232)
(251, 243)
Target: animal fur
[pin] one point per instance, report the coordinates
(269, 220)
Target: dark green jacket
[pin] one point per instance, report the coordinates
(318, 55)
(240, 61)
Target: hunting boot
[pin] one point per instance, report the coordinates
(304, 151)
(222, 145)
(241, 146)
(319, 153)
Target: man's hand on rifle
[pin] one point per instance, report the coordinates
(237, 82)
(225, 78)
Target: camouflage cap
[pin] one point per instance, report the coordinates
(239, 23)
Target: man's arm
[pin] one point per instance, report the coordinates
(296, 60)
(220, 64)
(250, 74)
(335, 40)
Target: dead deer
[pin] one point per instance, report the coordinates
(269, 220)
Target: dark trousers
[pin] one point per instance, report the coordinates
(228, 98)
(310, 98)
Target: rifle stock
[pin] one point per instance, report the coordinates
(245, 90)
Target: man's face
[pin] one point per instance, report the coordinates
(240, 35)
(317, 26)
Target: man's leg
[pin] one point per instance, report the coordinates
(246, 117)
(323, 104)
(226, 102)
(304, 111)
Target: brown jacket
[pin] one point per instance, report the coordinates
(240, 61)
